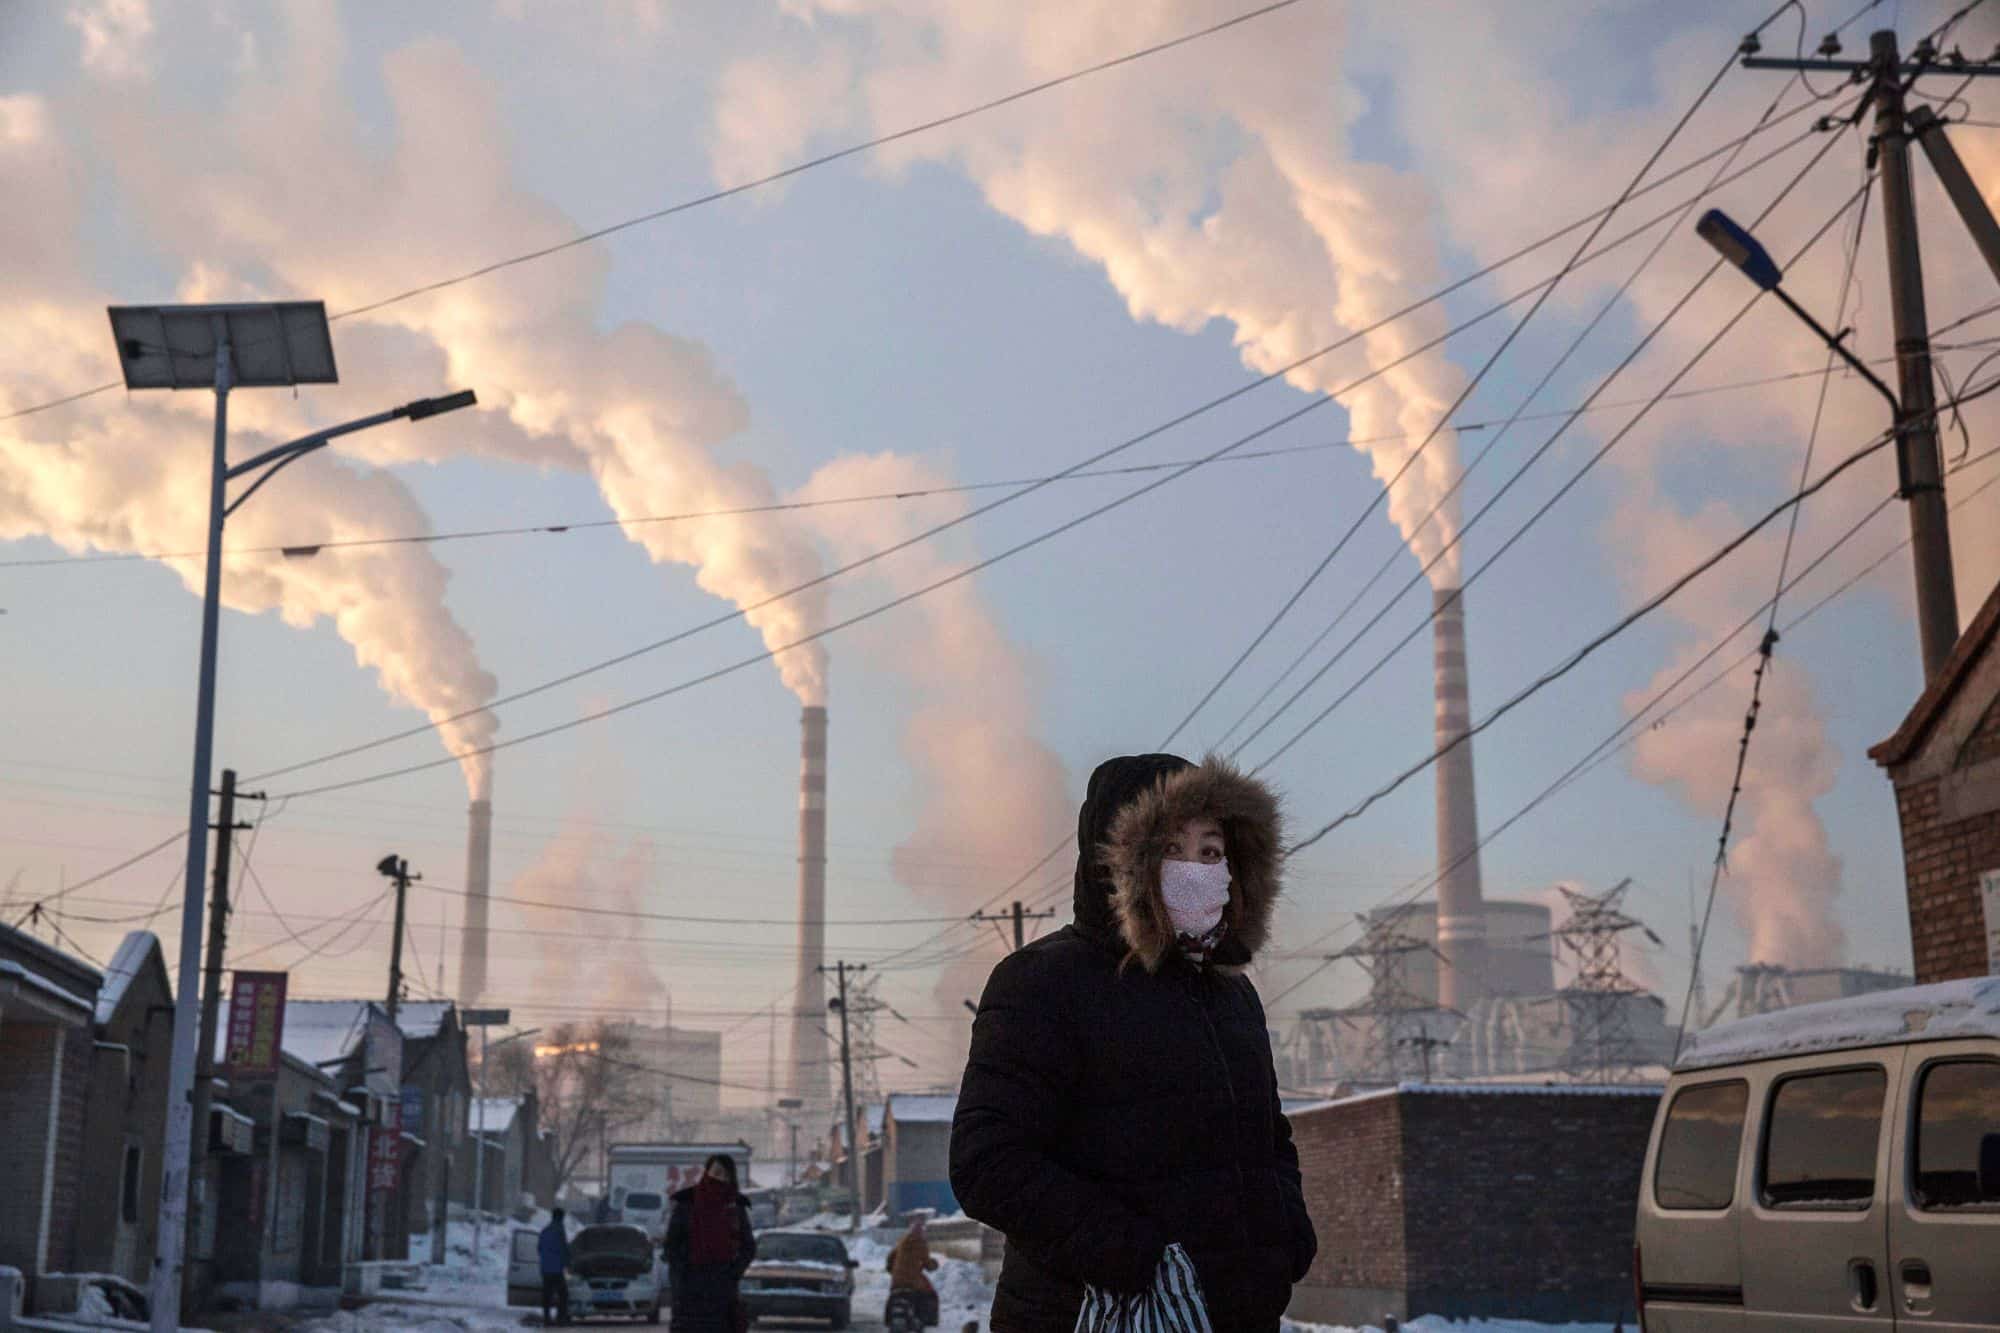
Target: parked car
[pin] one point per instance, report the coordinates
(800, 1275)
(613, 1271)
(1832, 1164)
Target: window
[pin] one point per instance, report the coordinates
(128, 1194)
(1700, 1145)
(1958, 1135)
(1819, 1148)
(644, 1203)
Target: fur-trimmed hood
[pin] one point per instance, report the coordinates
(1135, 805)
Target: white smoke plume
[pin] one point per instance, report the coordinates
(124, 474)
(1215, 184)
(582, 863)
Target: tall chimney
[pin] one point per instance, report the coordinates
(478, 872)
(811, 1074)
(1461, 906)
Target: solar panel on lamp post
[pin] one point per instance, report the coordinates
(272, 344)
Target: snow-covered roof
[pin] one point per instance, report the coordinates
(421, 1019)
(13, 971)
(1418, 1089)
(494, 1115)
(135, 951)
(1943, 1011)
(922, 1109)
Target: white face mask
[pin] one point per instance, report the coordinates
(1195, 894)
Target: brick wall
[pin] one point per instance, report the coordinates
(35, 1197)
(1472, 1203)
(1942, 862)
(1521, 1203)
(1350, 1155)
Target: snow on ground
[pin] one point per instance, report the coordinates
(1433, 1324)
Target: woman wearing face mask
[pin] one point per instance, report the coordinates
(1120, 1097)
(709, 1246)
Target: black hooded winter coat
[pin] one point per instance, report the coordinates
(1119, 1098)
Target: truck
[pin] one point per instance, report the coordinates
(646, 1176)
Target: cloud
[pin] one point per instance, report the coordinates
(117, 35)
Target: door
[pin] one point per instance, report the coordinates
(1815, 1224)
(524, 1269)
(1944, 1220)
(1690, 1274)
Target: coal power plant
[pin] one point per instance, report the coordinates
(810, 1072)
(478, 878)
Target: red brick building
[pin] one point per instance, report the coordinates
(1945, 764)
(1473, 1201)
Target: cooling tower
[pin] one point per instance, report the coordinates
(1461, 909)
(811, 1073)
(478, 871)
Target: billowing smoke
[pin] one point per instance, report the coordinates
(989, 795)
(582, 863)
(124, 474)
(1214, 184)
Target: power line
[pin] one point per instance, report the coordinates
(1444, 418)
(1561, 492)
(561, 528)
(1626, 733)
(101, 875)
(730, 192)
(633, 915)
(1191, 414)
(1631, 618)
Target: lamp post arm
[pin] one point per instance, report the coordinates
(1837, 343)
(276, 460)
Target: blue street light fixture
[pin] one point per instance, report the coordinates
(1740, 248)
(1750, 258)
(220, 347)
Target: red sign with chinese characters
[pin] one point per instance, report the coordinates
(256, 1024)
(385, 1149)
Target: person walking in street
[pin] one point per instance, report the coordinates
(1119, 1119)
(554, 1250)
(709, 1245)
(909, 1265)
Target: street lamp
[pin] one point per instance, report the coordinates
(270, 344)
(1918, 480)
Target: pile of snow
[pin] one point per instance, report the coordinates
(1435, 1324)
(1946, 1010)
(397, 1318)
(964, 1294)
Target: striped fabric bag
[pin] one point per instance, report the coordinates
(1173, 1304)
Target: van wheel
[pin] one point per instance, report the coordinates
(840, 1319)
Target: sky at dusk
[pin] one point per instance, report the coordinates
(835, 358)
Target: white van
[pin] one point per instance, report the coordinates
(1833, 1166)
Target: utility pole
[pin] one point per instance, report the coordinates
(840, 970)
(211, 994)
(1018, 915)
(398, 870)
(1919, 468)
(1916, 423)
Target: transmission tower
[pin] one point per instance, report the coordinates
(862, 1008)
(1394, 1019)
(1600, 998)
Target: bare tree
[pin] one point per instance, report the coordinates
(587, 1084)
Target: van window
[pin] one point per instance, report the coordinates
(1958, 1110)
(644, 1203)
(527, 1246)
(1700, 1145)
(1819, 1147)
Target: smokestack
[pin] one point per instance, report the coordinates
(478, 872)
(1461, 906)
(811, 1073)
